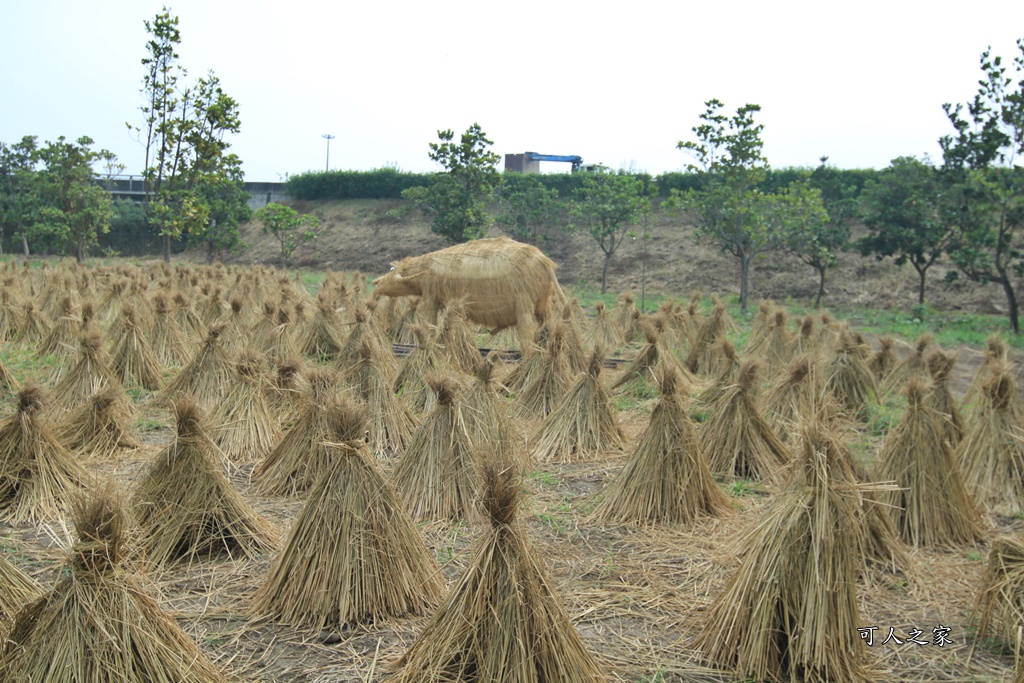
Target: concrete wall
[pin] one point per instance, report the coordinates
(265, 193)
(518, 163)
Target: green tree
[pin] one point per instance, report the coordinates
(74, 207)
(18, 202)
(225, 195)
(185, 133)
(821, 211)
(608, 206)
(902, 213)
(289, 228)
(727, 208)
(525, 206)
(456, 201)
(983, 183)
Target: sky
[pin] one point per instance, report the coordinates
(619, 84)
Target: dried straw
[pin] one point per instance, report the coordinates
(353, 555)
(207, 376)
(246, 430)
(426, 359)
(98, 623)
(584, 422)
(91, 374)
(991, 454)
(548, 380)
(37, 475)
(101, 428)
(932, 506)
(914, 366)
(940, 398)
(503, 621)
(737, 439)
(438, 476)
(168, 341)
(456, 340)
(604, 333)
(133, 359)
(16, 590)
(999, 607)
(186, 508)
(391, 422)
(790, 610)
(848, 377)
(667, 480)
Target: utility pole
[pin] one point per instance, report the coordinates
(328, 137)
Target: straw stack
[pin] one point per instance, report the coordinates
(999, 606)
(101, 428)
(207, 376)
(98, 623)
(245, 429)
(503, 621)
(353, 555)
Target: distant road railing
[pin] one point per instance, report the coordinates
(134, 187)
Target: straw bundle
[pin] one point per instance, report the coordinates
(999, 605)
(639, 377)
(91, 374)
(16, 590)
(932, 506)
(790, 610)
(37, 475)
(186, 507)
(289, 386)
(486, 417)
(737, 439)
(245, 428)
(583, 424)
(300, 459)
(604, 333)
(940, 398)
(188, 319)
(322, 338)
(807, 339)
(914, 366)
(550, 377)
(667, 480)
(456, 340)
(207, 376)
(848, 377)
(366, 332)
(353, 554)
(503, 621)
(991, 454)
(101, 428)
(236, 331)
(572, 339)
(996, 361)
(725, 367)
(391, 421)
(884, 360)
(773, 347)
(63, 335)
(134, 362)
(792, 399)
(713, 328)
(168, 341)
(35, 325)
(438, 476)
(98, 624)
(411, 380)
(762, 324)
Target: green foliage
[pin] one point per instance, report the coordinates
(456, 201)
(73, 208)
(983, 182)
(380, 183)
(727, 208)
(18, 203)
(526, 207)
(291, 229)
(607, 207)
(808, 230)
(901, 211)
(193, 185)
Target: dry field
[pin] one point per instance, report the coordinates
(638, 596)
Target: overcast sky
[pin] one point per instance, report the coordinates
(616, 83)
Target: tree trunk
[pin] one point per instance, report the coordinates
(167, 249)
(24, 244)
(744, 282)
(821, 287)
(922, 273)
(79, 251)
(1011, 303)
(604, 273)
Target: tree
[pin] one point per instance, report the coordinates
(982, 182)
(291, 229)
(18, 204)
(227, 199)
(525, 206)
(901, 211)
(728, 209)
(185, 135)
(74, 207)
(804, 226)
(607, 206)
(456, 201)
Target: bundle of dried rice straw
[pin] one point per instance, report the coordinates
(101, 428)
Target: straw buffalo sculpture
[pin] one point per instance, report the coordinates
(500, 283)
